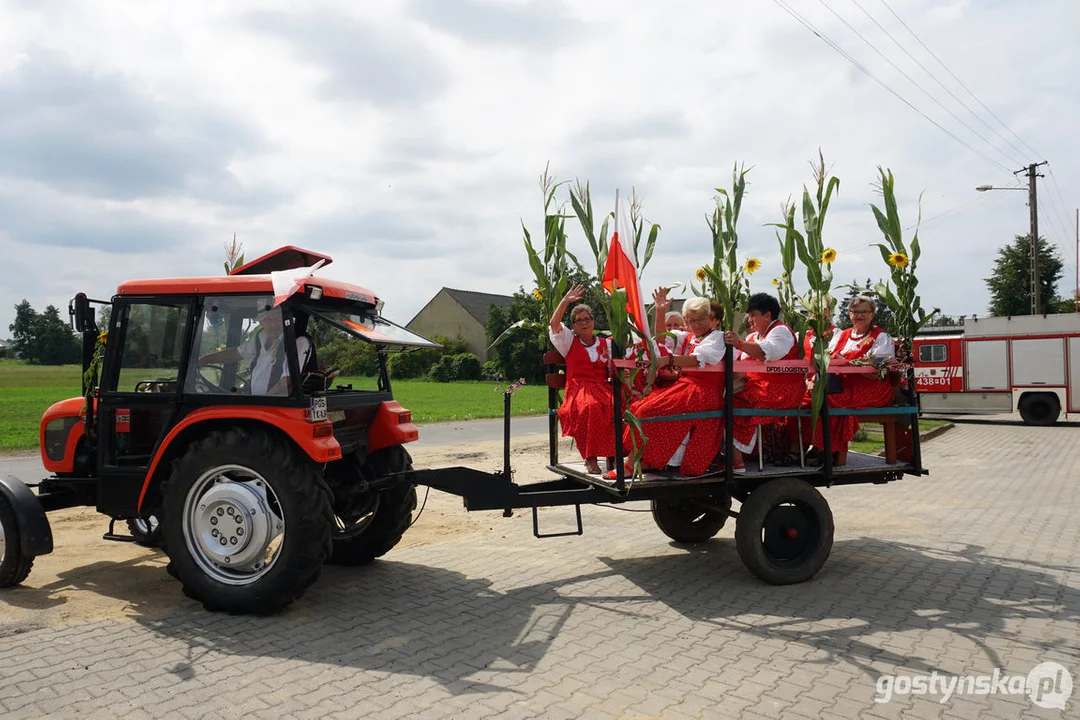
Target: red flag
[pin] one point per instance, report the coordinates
(620, 270)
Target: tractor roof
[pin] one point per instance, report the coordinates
(244, 279)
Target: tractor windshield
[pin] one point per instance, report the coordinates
(371, 328)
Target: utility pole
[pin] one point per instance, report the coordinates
(1036, 306)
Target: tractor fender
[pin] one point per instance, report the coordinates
(35, 535)
(293, 422)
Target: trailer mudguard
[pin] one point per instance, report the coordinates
(35, 535)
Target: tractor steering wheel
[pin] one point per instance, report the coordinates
(203, 384)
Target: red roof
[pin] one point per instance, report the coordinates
(225, 284)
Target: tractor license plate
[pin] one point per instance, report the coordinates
(318, 410)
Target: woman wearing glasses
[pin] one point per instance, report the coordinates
(587, 413)
(863, 340)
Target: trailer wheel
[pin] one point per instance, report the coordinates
(376, 528)
(246, 521)
(14, 565)
(784, 531)
(691, 519)
(1039, 408)
(146, 531)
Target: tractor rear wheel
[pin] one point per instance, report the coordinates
(691, 519)
(14, 566)
(784, 532)
(246, 521)
(375, 529)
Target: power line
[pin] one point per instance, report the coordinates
(958, 80)
(911, 80)
(809, 26)
(941, 84)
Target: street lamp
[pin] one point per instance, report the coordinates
(1036, 306)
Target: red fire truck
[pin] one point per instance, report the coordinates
(1001, 364)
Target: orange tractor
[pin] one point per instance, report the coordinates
(208, 425)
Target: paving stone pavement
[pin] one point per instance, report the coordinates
(961, 572)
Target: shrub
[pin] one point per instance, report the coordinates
(465, 366)
(443, 371)
(490, 371)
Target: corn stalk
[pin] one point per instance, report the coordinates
(790, 308)
(904, 302)
(810, 247)
(726, 279)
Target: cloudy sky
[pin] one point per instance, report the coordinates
(405, 137)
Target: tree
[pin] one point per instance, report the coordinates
(24, 332)
(883, 316)
(43, 338)
(1010, 284)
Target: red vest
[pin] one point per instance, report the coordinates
(865, 343)
(780, 379)
(580, 368)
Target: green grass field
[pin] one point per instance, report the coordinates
(26, 391)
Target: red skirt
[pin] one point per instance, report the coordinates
(860, 392)
(687, 395)
(786, 394)
(587, 414)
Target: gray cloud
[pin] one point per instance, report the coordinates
(538, 25)
(100, 135)
(362, 62)
(39, 223)
(391, 233)
(651, 128)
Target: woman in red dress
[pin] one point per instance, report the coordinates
(862, 340)
(587, 412)
(770, 341)
(690, 444)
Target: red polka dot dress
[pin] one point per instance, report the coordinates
(693, 392)
(587, 412)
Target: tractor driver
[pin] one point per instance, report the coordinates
(264, 351)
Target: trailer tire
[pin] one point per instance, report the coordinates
(784, 531)
(1040, 408)
(14, 565)
(252, 487)
(691, 520)
(389, 518)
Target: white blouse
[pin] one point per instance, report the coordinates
(776, 344)
(564, 340)
(883, 346)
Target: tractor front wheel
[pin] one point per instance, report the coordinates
(246, 521)
(14, 565)
(374, 529)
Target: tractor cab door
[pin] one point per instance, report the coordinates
(140, 394)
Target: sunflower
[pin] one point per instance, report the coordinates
(700, 274)
(776, 282)
(898, 260)
(103, 337)
(538, 295)
(752, 265)
(828, 256)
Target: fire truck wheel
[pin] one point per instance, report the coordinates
(376, 528)
(691, 519)
(784, 531)
(14, 566)
(246, 521)
(1039, 408)
(146, 531)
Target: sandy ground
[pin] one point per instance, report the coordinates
(87, 578)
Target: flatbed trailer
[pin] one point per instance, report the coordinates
(784, 526)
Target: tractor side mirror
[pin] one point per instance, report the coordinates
(82, 315)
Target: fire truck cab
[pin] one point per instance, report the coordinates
(1001, 364)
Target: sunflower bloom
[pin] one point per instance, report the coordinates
(828, 256)
(898, 260)
(538, 295)
(700, 274)
(103, 337)
(775, 282)
(752, 265)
